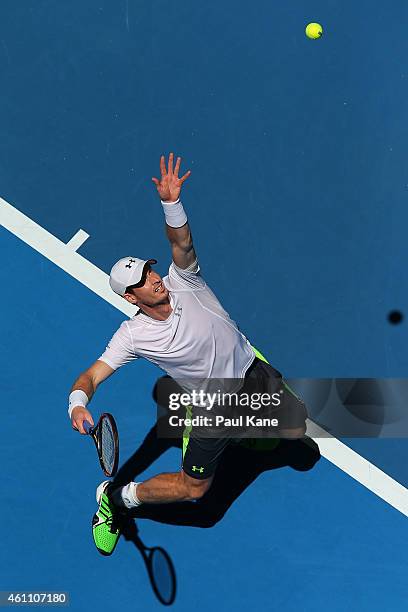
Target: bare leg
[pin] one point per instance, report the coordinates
(172, 487)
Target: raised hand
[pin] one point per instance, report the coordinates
(169, 186)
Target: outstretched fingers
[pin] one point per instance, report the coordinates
(176, 171)
(170, 172)
(163, 166)
(185, 176)
(170, 165)
(177, 167)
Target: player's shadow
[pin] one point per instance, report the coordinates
(239, 467)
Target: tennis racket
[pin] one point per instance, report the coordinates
(105, 436)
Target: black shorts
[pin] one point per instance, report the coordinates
(201, 455)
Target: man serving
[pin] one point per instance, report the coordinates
(182, 328)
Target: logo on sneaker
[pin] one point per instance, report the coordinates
(198, 469)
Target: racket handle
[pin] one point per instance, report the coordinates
(87, 426)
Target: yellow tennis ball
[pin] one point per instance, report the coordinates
(314, 30)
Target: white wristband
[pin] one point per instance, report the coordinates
(77, 398)
(174, 213)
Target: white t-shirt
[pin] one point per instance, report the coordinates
(198, 340)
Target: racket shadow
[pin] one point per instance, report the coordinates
(239, 468)
(159, 565)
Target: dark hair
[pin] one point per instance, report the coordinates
(129, 289)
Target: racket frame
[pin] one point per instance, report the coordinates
(95, 433)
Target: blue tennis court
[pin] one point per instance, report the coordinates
(297, 203)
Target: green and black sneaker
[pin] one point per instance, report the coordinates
(105, 524)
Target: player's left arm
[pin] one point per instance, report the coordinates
(182, 248)
(178, 233)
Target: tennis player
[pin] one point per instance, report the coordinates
(182, 328)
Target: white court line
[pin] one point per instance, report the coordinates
(77, 240)
(62, 255)
(359, 468)
(96, 280)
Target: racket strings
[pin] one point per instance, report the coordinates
(107, 444)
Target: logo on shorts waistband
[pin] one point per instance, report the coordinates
(198, 469)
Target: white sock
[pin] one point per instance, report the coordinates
(129, 497)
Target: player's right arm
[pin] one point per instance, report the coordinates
(119, 351)
(88, 382)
